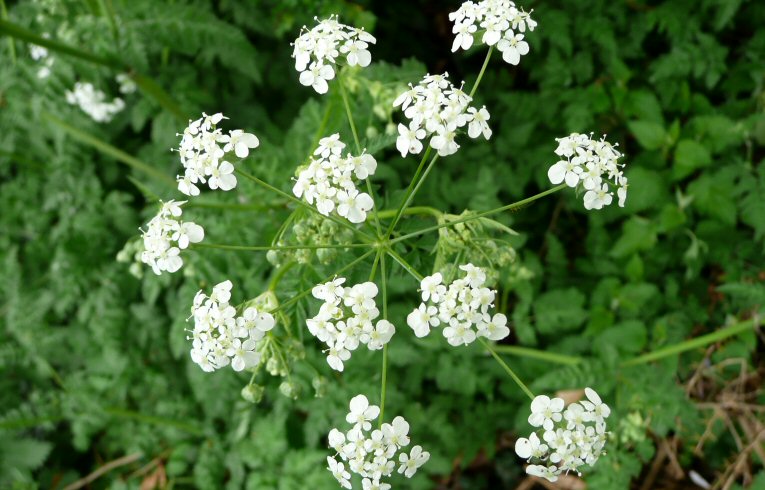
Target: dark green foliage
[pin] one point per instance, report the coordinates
(94, 362)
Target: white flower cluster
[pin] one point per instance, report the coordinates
(372, 453)
(166, 235)
(202, 149)
(572, 437)
(93, 102)
(462, 306)
(39, 53)
(594, 164)
(220, 337)
(502, 24)
(436, 109)
(328, 180)
(316, 51)
(127, 85)
(345, 320)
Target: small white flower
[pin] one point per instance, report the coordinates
(496, 328)
(422, 318)
(409, 139)
(411, 463)
(464, 36)
(240, 142)
(362, 412)
(354, 205)
(317, 77)
(478, 124)
(545, 411)
(338, 471)
(531, 447)
(513, 47)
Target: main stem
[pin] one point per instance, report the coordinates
(383, 273)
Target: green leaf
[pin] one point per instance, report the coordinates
(651, 135)
(690, 155)
(25, 454)
(560, 310)
(638, 234)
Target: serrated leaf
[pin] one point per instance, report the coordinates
(690, 155)
(651, 135)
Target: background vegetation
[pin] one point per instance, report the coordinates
(94, 365)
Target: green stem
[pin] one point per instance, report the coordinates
(151, 419)
(256, 248)
(411, 270)
(694, 343)
(384, 381)
(374, 207)
(483, 70)
(300, 202)
(197, 203)
(108, 11)
(417, 186)
(507, 368)
(416, 183)
(280, 274)
(110, 150)
(537, 354)
(305, 293)
(18, 32)
(151, 88)
(374, 264)
(406, 200)
(349, 113)
(351, 122)
(11, 45)
(389, 213)
(471, 217)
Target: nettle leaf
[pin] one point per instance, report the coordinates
(690, 155)
(714, 195)
(651, 135)
(24, 454)
(638, 234)
(748, 294)
(560, 310)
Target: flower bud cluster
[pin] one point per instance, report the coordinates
(202, 149)
(220, 337)
(436, 110)
(502, 24)
(166, 235)
(93, 102)
(593, 163)
(570, 439)
(311, 230)
(316, 51)
(463, 307)
(369, 453)
(328, 180)
(346, 318)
